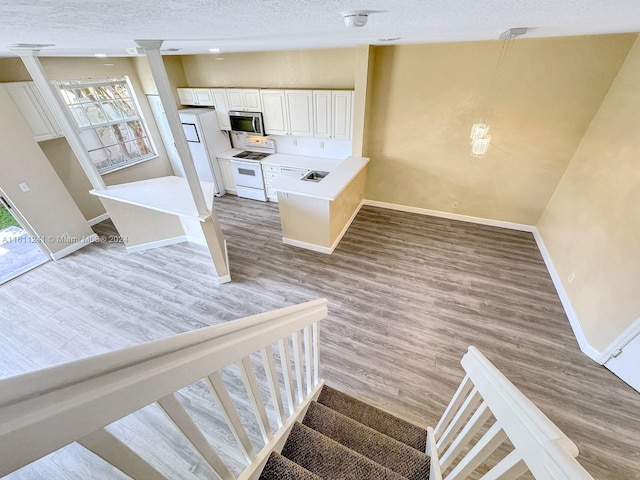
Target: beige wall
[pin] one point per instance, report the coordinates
(324, 68)
(66, 165)
(175, 72)
(426, 97)
(591, 226)
(59, 152)
(48, 207)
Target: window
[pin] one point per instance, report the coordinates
(109, 121)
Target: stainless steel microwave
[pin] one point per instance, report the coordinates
(248, 122)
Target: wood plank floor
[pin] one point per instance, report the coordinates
(407, 295)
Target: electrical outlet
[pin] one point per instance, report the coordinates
(24, 187)
(571, 277)
(454, 205)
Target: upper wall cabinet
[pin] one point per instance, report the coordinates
(333, 113)
(244, 99)
(288, 112)
(274, 113)
(222, 107)
(196, 96)
(34, 110)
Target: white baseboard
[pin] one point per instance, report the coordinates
(159, 243)
(308, 246)
(74, 247)
(625, 337)
(319, 248)
(451, 216)
(98, 219)
(585, 346)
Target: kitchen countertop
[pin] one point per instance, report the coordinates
(230, 153)
(164, 194)
(301, 161)
(341, 174)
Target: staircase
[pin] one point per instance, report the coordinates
(278, 403)
(342, 437)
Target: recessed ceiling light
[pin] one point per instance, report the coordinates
(100, 55)
(219, 58)
(214, 50)
(108, 64)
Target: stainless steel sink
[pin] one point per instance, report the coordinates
(314, 176)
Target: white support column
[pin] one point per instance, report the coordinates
(152, 51)
(29, 56)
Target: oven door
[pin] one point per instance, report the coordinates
(247, 174)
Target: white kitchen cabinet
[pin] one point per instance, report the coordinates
(222, 107)
(288, 112)
(201, 97)
(244, 99)
(271, 173)
(274, 114)
(323, 121)
(300, 112)
(341, 106)
(34, 110)
(332, 111)
(252, 100)
(227, 175)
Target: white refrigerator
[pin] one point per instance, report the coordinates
(206, 141)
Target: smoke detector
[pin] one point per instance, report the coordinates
(356, 18)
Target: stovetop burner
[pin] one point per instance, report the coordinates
(251, 155)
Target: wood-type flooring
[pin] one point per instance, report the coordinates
(407, 294)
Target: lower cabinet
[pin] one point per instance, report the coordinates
(227, 175)
(272, 172)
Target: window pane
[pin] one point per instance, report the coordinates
(80, 116)
(112, 112)
(95, 113)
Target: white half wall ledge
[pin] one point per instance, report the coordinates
(596, 355)
(74, 247)
(98, 219)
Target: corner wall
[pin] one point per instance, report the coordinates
(591, 226)
(425, 99)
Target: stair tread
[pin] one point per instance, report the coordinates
(374, 417)
(279, 467)
(378, 447)
(329, 459)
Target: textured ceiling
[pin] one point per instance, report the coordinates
(86, 27)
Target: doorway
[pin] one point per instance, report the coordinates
(20, 251)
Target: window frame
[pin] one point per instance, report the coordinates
(65, 85)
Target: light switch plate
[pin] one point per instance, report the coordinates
(24, 187)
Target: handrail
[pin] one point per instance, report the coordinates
(544, 448)
(50, 408)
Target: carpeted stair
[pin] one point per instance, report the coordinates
(344, 438)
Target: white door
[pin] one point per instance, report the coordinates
(300, 103)
(166, 135)
(275, 112)
(627, 364)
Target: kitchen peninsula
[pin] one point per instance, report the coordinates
(315, 215)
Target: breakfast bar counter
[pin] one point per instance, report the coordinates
(315, 215)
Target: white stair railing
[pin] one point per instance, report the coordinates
(43, 411)
(487, 405)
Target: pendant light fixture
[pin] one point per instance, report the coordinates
(480, 138)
